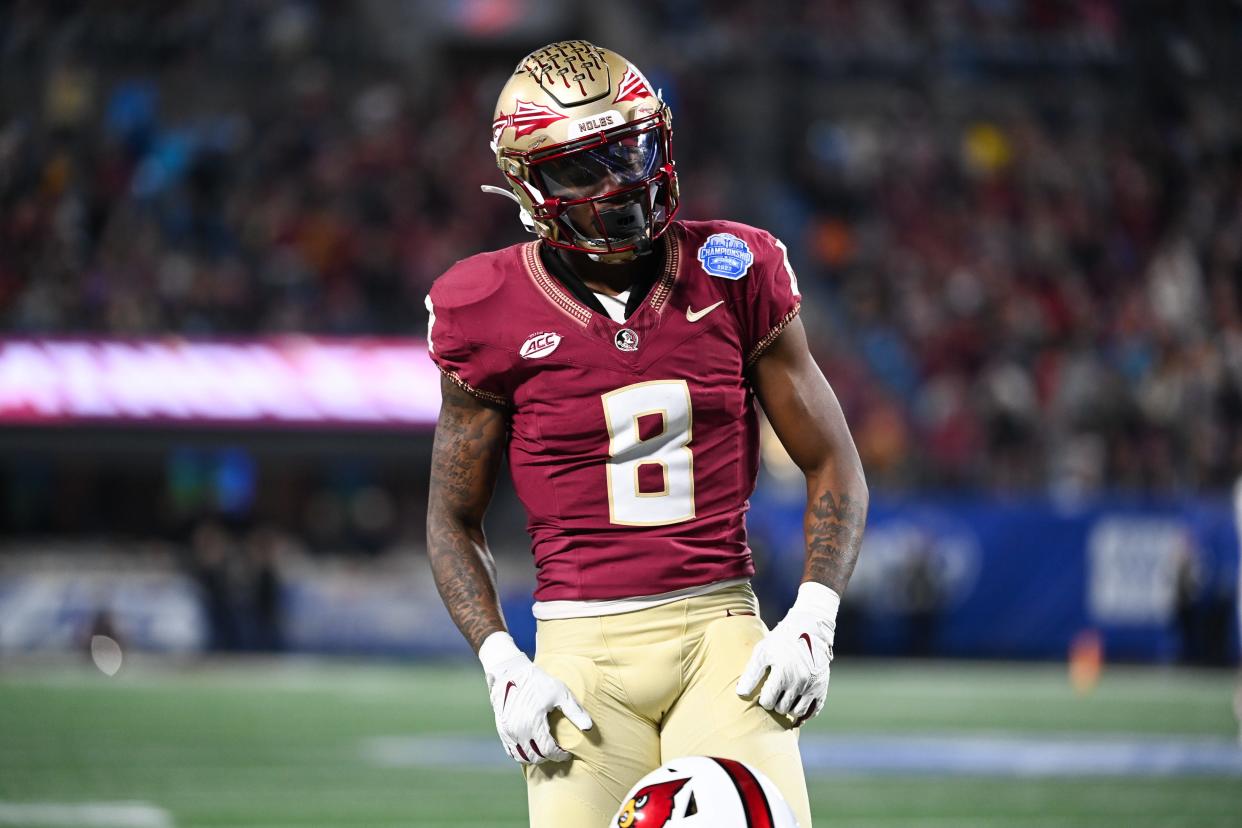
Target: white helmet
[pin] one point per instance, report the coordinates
(706, 792)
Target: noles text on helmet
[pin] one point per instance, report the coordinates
(585, 145)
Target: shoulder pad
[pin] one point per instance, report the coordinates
(729, 250)
(474, 279)
(698, 231)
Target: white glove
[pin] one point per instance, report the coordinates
(522, 697)
(795, 655)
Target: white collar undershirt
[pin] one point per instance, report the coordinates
(615, 305)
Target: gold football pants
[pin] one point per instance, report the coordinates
(659, 683)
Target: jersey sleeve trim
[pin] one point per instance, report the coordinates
(770, 337)
(486, 396)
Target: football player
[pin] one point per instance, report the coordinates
(617, 361)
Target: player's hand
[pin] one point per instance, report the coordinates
(795, 656)
(522, 697)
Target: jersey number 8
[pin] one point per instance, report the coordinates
(629, 413)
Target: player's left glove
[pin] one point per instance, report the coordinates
(522, 697)
(796, 656)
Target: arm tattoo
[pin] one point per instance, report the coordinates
(465, 461)
(834, 528)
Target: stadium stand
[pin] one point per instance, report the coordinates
(1016, 223)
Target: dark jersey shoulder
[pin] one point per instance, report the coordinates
(467, 316)
(475, 279)
(698, 231)
(750, 268)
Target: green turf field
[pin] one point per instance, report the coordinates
(290, 744)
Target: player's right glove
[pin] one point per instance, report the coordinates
(522, 697)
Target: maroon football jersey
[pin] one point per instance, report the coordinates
(634, 446)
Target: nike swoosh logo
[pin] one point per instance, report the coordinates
(509, 687)
(694, 316)
(807, 639)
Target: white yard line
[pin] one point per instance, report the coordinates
(982, 754)
(952, 822)
(84, 815)
(404, 822)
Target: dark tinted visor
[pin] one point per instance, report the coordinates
(620, 163)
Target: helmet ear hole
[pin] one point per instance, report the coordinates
(692, 807)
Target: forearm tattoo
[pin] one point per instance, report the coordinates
(464, 463)
(834, 530)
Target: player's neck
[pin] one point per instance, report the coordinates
(612, 278)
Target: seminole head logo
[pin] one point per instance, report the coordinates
(626, 340)
(650, 807)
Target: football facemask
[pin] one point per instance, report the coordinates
(608, 194)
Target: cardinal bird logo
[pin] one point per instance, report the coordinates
(652, 806)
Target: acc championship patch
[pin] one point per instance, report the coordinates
(726, 256)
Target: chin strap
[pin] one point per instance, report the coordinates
(527, 221)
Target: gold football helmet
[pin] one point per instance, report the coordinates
(585, 145)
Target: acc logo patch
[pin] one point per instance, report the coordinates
(726, 256)
(539, 345)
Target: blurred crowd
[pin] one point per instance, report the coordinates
(1017, 223)
(223, 168)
